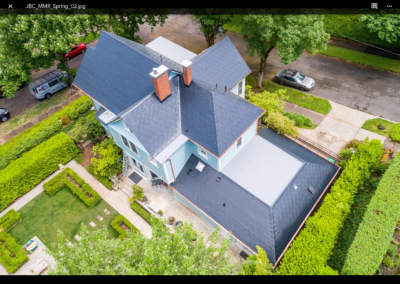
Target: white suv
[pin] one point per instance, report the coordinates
(47, 85)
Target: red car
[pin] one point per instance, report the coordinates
(76, 50)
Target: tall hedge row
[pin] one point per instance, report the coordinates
(310, 251)
(38, 133)
(26, 172)
(376, 229)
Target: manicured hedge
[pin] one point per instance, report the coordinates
(105, 181)
(376, 229)
(12, 257)
(119, 220)
(33, 136)
(310, 251)
(57, 182)
(9, 219)
(143, 213)
(395, 134)
(25, 173)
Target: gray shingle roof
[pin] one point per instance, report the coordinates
(220, 64)
(115, 73)
(249, 219)
(156, 124)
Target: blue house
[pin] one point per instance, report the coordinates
(183, 118)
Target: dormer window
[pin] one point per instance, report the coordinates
(240, 88)
(152, 160)
(203, 153)
(239, 143)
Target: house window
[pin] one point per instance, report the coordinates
(240, 88)
(152, 160)
(239, 143)
(153, 175)
(128, 144)
(202, 153)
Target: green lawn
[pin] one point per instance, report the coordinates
(34, 112)
(294, 96)
(64, 211)
(362, 58)
(372, 125)
(88, 38)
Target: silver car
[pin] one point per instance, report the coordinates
(295, 79)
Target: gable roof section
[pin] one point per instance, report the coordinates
(220, 64)
(156, 124)
(115, 73)
(170, 49)
(215, 120)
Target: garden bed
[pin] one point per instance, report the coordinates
(122, 226)
(12, 255)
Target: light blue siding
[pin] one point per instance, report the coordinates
(106, 128)
(211, 159)
(225, 159)
(180, 157)
(172, 75)
(117, 129)
(96, 105)
(235, 89)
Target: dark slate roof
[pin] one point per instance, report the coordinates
(115, 74)
(215, 119)
(250, 220)
(156, 124)
(220, 64)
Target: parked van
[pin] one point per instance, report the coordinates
(47, 85)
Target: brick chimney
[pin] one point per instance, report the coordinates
(161, 82)
(187, 72)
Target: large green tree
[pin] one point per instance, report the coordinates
(290, 34)
(107, 153)
(210, 23)
(386, 26)
(257, 264)
(184, 252)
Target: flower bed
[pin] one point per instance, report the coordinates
(119, 223)
(71, 179)
(12, 254)
(23, 174)
(105, 181)
(141, 211)
(9, 219)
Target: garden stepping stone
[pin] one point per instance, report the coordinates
(106, 211)
(78, 238)
(92, 224)
(100, 218)
(70, 244)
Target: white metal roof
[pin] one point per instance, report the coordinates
(107, 116)
(263, 169)
(171, 50)
(171, 148)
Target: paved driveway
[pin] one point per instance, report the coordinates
(363, 88)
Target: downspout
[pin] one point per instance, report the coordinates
(172, 168)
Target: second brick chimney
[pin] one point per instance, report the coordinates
(187, 71)
(161, 82)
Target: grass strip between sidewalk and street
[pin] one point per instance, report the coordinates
(296, 97)
(375, 61)
(372, 125)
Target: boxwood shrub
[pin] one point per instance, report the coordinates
(310, 251)
(122, 220)
(12, 254)
(105, 181)
(25, 173)
(9, 219)
(33, 136)
(376, 229)
(142, 212)
(395, 134)
(57, 182)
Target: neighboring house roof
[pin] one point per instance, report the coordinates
(171, 50)
(250, 219)
(220, 64)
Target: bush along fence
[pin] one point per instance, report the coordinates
(25, 173)
(9, 219)
(41, 131)
(71, 179)
(373, 237)
(310, 251)
(12, 254)
(117, 224)
(105, 181)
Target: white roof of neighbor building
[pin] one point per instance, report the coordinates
(171, 148)
(171, 50)
(107, 116)
(263, 169)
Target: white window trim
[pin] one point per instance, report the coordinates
(154, 162)
(241, 145)
(201, 154)
(240, 93)
(137, 154)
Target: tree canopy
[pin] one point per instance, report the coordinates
(107, 153)
(290, 34)
(184, 252)
(386, 26)
(257, 264)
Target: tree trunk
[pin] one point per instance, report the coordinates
(263, 64)
(64, 62)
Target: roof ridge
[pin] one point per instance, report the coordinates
(215, 122)
(205, 51)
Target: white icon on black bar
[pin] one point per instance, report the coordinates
(374, 5)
